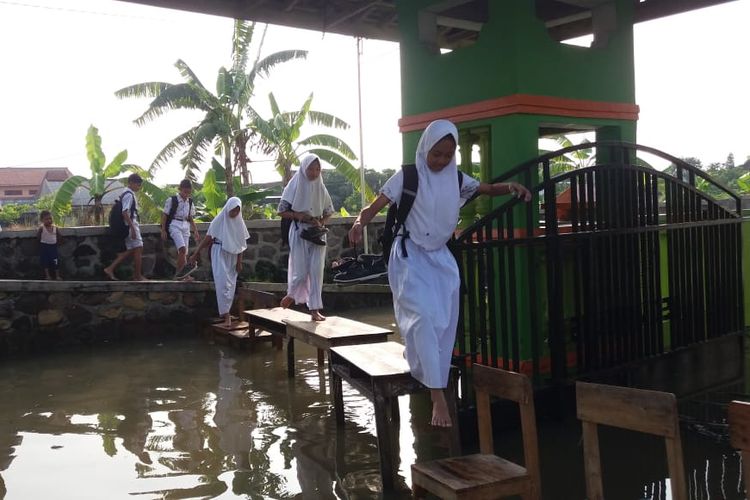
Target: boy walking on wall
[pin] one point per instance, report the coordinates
(176, 223)
(133, 241)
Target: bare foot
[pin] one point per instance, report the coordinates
(440, 415)
(110, 275)
(287, 301)
(316, 316)
(140, 278)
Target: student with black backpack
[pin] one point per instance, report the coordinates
(177, 220)
(422, 272)
(124, 217)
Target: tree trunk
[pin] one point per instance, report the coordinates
(240, 158)
(287, 173)
(98, 211)
(228, 173)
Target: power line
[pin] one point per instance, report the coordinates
(34, 162)
(77, 11)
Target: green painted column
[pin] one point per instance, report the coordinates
(465, 147)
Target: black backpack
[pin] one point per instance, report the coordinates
(117, 225)
(397, 213)
(285, 225)
(173, 210)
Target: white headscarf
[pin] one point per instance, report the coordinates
(304, 195)
(434, 216)
(230, 231)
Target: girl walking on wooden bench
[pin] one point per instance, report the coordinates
(306, 202)
(422, 272)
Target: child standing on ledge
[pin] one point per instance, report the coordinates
(49, 238)
(422, 272)
(227, 236)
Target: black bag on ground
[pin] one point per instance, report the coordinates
(117, 226)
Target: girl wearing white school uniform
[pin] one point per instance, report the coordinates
(227, 235)
(306, 201)
(422, 272)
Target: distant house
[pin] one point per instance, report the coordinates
(26, 185)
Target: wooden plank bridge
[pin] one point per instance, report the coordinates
(358, 353)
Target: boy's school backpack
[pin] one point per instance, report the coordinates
(117, 225)
(173, 210)
(397, 213)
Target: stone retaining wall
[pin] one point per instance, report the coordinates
(85, 251)
(40, 316)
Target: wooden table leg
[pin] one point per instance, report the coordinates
(321, 358)
(385, 446)
(290, 357)
(338, 398)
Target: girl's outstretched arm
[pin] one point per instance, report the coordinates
(501, 188)
(365, 216)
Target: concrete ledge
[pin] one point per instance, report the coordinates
(253, 224)
(168, 286)
(327, 288)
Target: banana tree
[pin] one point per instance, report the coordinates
(279, 136)
(221, 131)
(212, 195)
(105, 177)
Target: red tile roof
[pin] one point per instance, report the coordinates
(11, 177)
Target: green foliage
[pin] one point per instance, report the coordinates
(45, 202)
(222, 130)
(102, 180)
(212, 195)
(11, 213)
(343, 193)
(279, 136)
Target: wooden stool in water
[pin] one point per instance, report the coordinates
(485, 475)
(650, 412)
(380, 373)
(739, 435)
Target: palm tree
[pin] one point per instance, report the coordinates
(280, 136)
(103, 179)
(221, 127)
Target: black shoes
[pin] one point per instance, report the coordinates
(365, 268)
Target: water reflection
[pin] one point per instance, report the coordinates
(183, 418)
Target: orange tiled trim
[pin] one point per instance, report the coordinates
(523, 103)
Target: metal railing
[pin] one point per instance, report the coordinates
(609, 264)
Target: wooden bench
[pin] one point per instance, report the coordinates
(333, 332)
(380, 372)
(245, 333)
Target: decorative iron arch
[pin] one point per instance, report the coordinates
(609, 265)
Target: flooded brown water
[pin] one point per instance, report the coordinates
(186, 418)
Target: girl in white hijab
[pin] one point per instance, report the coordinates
(306, 201)
(227, 236)
(424, 279)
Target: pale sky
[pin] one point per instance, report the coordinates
(62, 60)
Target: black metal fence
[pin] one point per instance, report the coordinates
(609, 264)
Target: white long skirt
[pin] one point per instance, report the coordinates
(305, 274)
(425, 288)
(224, 267)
